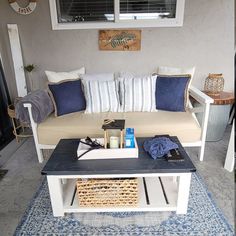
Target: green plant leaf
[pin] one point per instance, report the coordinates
(29, 67)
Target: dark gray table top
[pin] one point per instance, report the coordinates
(63, 161)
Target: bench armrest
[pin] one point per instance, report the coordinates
(200, 96)
(205, 102)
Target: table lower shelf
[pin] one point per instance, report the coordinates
(161, 195)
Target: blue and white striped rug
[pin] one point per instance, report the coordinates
(203, 218)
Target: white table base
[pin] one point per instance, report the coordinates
(64, 199)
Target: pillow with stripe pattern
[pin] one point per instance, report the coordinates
(137, 94)
(101, 96)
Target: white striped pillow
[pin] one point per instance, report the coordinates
(101, 96)
(138, 94)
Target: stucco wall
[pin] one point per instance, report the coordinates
(206, 41)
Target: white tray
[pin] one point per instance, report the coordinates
(106, 153)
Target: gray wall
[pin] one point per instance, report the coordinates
(206, 41)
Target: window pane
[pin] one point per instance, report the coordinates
(147, 9)
(85, 10)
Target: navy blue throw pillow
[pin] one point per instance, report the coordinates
(68, 97)
(171, 92)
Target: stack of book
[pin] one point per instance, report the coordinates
(174, 156)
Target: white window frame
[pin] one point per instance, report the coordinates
(166, 22)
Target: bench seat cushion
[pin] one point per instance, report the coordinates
(145, 124)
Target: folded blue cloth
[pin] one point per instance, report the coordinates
(158, 147)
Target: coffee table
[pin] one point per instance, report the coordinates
(162, 186)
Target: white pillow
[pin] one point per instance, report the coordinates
(165, 70)
(99, 76)
(101, 96)
(138, 94)
(55, 77)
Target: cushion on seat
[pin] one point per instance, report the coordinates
(172, 92)
(137, 93)
(55, 77)
(101, 96)
(67, 96)
(145, 124)
(165, 70)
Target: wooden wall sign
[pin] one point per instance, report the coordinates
(120, 40)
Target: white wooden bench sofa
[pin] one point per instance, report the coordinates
(184, 125)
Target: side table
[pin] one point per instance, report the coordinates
(219, 115)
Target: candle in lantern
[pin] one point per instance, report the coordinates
(114, 142)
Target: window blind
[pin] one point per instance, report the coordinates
(85, 10)
(147, 9)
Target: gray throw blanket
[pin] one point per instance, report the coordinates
(41, 103)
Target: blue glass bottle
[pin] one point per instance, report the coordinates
(129, 138)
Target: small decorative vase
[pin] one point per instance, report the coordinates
(214, 84)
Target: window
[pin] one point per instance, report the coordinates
(88, 14)
(85, 10)
(147, 9)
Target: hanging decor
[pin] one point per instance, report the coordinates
(23, 10)
(120, 40)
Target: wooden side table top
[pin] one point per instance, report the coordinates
(224, 98)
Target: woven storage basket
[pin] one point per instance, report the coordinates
(11, 111)
(11, 108)
(214, 84)
(107, 192)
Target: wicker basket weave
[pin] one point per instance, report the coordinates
(18, 127)
(11, 111)
(214, 84)
(107, 192)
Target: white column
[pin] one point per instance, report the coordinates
(56, 195)
(17, 59)
(183, 194)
